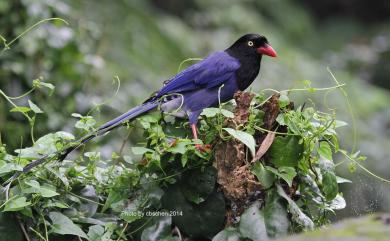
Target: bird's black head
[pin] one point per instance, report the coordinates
(253, 45)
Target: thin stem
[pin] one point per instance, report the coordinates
(122, 231)
(23, 95)
(44, 224)
(13, 104)
(23, 228)
(360, 165)
(275, 132)
(7, 45)
(350, 110)
(37, 233)
(140, 227)
(109, 99)
(86, 199)
(187, 60)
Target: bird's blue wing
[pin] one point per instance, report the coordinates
(208, 73)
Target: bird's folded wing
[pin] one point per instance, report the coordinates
(213, 71)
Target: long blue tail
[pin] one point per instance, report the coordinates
(118, 121)
(128, 116)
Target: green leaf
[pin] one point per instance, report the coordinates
(329, 185)
(227, 113)
(228, 234)
(48, 191)
(47, 85)
(146, 120)
(265, 177)
(63, 225)
(286, 173)
(210, 112)
(77, 115)
(9, 167)
(86, 123)
(114, 196)
(22, 109)
(45, 190)
(325, 151)
(131, 216)
(285, 151)
(33, 183)
(244, 137)
(34, 107)
(283, 99)
(252, 223)
(139, 150)
(297, 214)
(338, 203)
(197, 185)
(160, 229)
(180, 146)
(275, 215)
(9, 228)
(95, 233)
(342, 180)
(16, 204)
(203, 220)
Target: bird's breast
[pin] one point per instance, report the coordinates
(246, 74)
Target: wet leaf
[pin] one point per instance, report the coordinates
(297, 214)
(95, 233)
(325, 151)
(61, 224)
(9, 167)
(191, 217)
(180, 146)
(212, 111)
(160, 229)
(286, 173)
(139, 150)
(342, 180)
(198, 185)
(283, 99)
(34, 107)
(244, 137)
(22, 109)
(228, 234)
(252, 223)
(9, 228)
(16, 204)
(275, 215)
(285, 151)
(265, 177)
(329, 185)
(338, 203)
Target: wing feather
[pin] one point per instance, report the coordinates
(208, 73)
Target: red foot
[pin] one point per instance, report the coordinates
(203, 148)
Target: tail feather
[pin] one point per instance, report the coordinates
(132, 113)
(108, 126)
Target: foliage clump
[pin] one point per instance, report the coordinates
(169, 190)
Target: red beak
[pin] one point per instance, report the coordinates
(267, 50)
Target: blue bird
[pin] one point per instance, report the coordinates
(202, 85)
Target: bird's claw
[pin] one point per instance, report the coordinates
(203, 148)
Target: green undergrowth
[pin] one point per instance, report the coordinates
(166, 189)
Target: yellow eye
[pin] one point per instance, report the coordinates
(250, 43)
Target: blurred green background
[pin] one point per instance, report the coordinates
(143, 43)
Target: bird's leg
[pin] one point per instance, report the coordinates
(199, 147)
